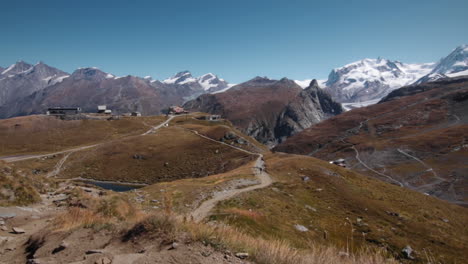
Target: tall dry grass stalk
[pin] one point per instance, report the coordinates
(97, 212)
(277, 251)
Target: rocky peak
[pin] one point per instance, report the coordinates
(91, 74)
(16, 68)
(314, 84)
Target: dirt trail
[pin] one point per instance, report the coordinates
(429, 168)
(259, 170)
(369, 168)
(153, 129)
(26, 157)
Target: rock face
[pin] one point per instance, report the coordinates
(311, 106)
(269, 110)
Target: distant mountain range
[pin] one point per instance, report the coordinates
(367, 81)
(30, 89)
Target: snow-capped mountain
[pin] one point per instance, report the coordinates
(371, 79)
(22, 79)
(207, 82)
(454, 65)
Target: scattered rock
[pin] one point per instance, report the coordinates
(61, 247)
(242, 255)
(94, 251)
(166, 164)
(343, 254)
(138, 157)
(33, 261)
(4, 228)
(310, 208)
(445, 220)
(2, 222)
(241, 141)
(305, 178)
(407, 251)
(301, 228)
(230, 135)
(7, 215)
(18, 230)
(174, 245)
(103, 260)
(392, 213)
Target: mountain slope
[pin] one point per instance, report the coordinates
(416, 138)
(269, 110)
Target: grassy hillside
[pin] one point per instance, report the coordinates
(42, 134)
(342, 208)
(171, 153)
(418, 141)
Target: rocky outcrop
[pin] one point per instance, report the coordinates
(311, 106)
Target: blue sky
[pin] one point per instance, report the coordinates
(236, 40)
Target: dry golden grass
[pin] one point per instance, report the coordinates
(216, 130)
(171, 153)
(188, 191)
(344, 209)
(39, 134)
(96, 212)
(19, 188)
(278, 251)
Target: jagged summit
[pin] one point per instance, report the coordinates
(454, 65)
(16, 68)
(207, 82)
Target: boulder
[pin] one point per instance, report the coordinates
(18, 230)
(301, 228)
(407, 251)
(242, 255)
